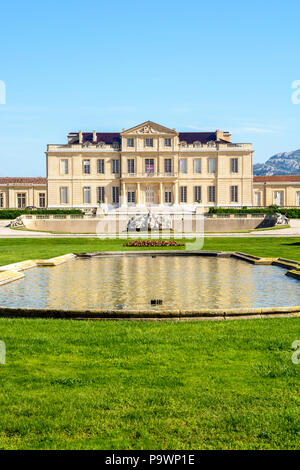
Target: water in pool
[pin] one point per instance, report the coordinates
(188, 282)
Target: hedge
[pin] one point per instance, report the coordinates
(293, 213)
(13, 213)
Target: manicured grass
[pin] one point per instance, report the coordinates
(12, 250)
(144, 385)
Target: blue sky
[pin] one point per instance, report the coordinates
(191, 65)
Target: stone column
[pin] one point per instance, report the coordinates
(176, 190)
(138, 194)
(161, 194)
(124, 203)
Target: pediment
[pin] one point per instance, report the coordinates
(149, 128)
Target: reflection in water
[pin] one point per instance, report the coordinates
(188, 282)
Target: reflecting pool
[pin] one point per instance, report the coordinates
(125, 282)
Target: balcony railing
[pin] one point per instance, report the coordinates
(154, 174)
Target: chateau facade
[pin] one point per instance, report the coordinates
(281, 190)
(18, 193)
(149, 165)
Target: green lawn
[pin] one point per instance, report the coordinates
(144, 385)
(12, 250)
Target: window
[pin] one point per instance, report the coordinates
(115, 194)
(197, 165)
(149, 195)
(278, 198)
(168, 142)
(183, 165)
(183, 194)
(258, 199)
(149, 165)
(21, 200)
(64, 195)
(64, 167)
(168, 196)
(168, 165)
(148, 142)
(100, 194)
(131, 197)
(197, 193)
(234, 193)
(298, 198)
(86, 167)
(234, 165)
(115, 167)
(42, 200)
(1, 200)
(211, 165)
(87, 195)
(130, 165)
(211, 194)
(130, 142)
(100, 166)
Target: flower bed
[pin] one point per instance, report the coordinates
(151, 243)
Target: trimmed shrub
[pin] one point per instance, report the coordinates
(14, 213)
(293, 213)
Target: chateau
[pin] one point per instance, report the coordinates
(149, 165)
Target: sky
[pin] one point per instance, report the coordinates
(189, 65)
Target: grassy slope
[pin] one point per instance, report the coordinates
(12, 250)
(149, 385)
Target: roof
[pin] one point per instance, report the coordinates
(276, 178)
(203, 137)
(111, 137)
(106, 137)
(11, 180)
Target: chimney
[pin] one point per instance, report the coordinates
(80, 137)
(94, 137)
(221, 135)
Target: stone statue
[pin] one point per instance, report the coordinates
(149, 222)
(281, 219)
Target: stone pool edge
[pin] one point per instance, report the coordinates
(14, 271)
(204, 314)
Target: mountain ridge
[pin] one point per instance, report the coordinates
(283, 163)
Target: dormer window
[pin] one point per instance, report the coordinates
(197, 144)
(211, 144)
(101, 144)
(183, 143)
(115, 145)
